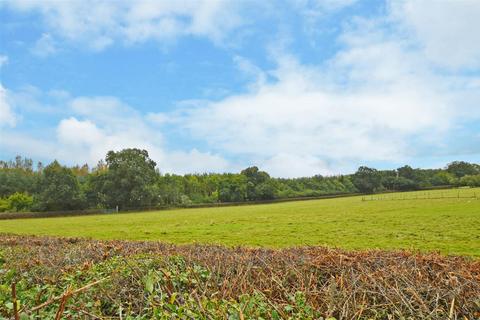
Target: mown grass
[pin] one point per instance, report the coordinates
(448, 225)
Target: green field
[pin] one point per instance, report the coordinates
(402, 220)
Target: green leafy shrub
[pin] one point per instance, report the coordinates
(17, 202)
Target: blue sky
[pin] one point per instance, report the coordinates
(295, 87)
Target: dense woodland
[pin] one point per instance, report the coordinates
(130, 179)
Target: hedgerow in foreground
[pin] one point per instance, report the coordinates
(78, 279)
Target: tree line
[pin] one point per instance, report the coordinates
(129, 179)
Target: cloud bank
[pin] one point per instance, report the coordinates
(99, 24)
(96, 125)
(380, 98)
(399, 87)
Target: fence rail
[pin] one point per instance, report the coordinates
(422, 196)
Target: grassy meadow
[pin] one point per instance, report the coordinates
(443, 220)
(56, 277)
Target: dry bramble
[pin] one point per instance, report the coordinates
(153, 279)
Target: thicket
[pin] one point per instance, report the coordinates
(130, 179)
(86, 279)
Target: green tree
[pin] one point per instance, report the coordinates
(170, 189)
(4, 205)
(19, 202)
(367, 180)
(58, 189)
(470, 180)
(443, 178)
(462, 168)
(404, 184)
(94, 189)
(265, 190)
(17, 180)
(233, 188)
(406, 172)
(130, 180)
(255, 178)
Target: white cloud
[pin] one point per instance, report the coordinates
(317, 8)
(7, 116)
(98, 24)
(107, 109)
(44, 46)
(78, 133)
(298, 165)
(86, 141)
(250, 69)
(194, 161)
(313, 12)
(24, 144)
(94, 126)
(377, 99)
(447, 30)
(158, 118)
(381, 97)
(3, 60)
(298, 115)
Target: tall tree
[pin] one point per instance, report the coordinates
(58, 189)
(462, 168)
(367, 180)
(233, 188)
(255, 178)
(130, 180)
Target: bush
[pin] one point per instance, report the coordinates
(17, 202)
(470, 180)
(4, 204)
(148, 280)
(443, 178)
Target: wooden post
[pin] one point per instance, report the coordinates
(15, 302)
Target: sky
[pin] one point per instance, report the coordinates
(296, 88)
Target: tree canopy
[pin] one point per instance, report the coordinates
(367, 180)
(130, 179)
(58, 189)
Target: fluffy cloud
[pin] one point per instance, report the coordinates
(106, 123)
(28, 145)
(100, 124)
(298, 117)
(298, 166)
(44, 46)
(195, 161)
(447, 31)
(381, 97)
(78, 133)
(7, 116)
(377, 99)
(315, 9)
(98, 24)
(95, 125)
(86, 141)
